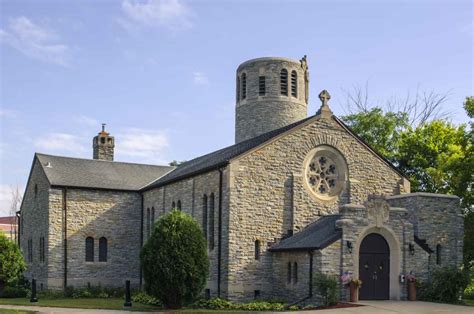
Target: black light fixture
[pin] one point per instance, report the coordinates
(349, 246)
(411, 248)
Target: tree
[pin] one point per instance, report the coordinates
(176, 163)
(381, 130)
(12, 263)
(174, 260)
(15, 204)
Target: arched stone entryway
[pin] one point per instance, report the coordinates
(394, 257)
(374, 268)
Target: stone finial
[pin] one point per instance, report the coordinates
(324, 111)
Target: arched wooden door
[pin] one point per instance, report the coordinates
(374, 268)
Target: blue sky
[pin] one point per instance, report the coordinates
(161, 73)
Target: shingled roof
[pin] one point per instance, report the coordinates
(221, 158)
(315, 236)
(98, 174)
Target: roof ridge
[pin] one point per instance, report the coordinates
(100, 160)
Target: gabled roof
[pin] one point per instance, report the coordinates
(315, 236)
(221, 158)
(98, 174)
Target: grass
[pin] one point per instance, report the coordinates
(468, 302)
(92, 303)
(6, 311)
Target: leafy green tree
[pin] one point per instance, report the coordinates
(174, 260)
(12, 264)
(431, 155)
(382, 131)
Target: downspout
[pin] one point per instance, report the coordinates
(65, 236)
(141, 239)
(219, 234)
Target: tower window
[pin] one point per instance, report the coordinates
(294, 84)
(261, 85)
(102, 140)
(173, 205)
(244, 86)
(36, 190)
(179, 205)
(204, 216)
(103, 249)
(284, 82)
(238, 88)
(257, 249)
(89, 249)
(211, 221)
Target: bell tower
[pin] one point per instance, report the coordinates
(103, 145)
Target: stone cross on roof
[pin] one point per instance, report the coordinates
(324, 111)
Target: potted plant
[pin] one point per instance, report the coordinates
(411, 279)
(354, 284)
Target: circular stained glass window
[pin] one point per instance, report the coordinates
(325, 172)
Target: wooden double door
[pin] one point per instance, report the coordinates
(374, 268)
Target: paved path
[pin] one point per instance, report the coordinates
(371, 307)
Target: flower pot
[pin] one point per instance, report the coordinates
(354, 292)
(411, 291)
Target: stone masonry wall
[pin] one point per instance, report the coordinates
(268, 197)
(34, 224)
(257, 114)
(191, 192)
(438, 220)
(95, 213)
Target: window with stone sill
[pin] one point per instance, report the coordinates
(325, 172)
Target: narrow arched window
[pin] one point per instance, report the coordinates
(89, 249)
(284, 82)
(294, 84)
(261, 85)
(36, 190)
(257, 249)
(204, 216)
(211, 221)
(173, 205)
(148, 222)
(288, 274)
(238, 88)
(152, 220)
(295, 272)
(438, 254)
(244, 86)
(103, 249)
(179, 205)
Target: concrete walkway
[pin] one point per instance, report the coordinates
(371, 307)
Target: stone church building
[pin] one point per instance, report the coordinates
(296, 195)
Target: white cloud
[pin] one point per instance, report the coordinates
(148, 145)
(170, 14)
(60, 142)
(200, 78)
(83, 119)
(35, 41)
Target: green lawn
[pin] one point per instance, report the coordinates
(469, 302)
(112, 304)
(5, 311)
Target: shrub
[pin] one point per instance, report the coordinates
(222, 305)
(144, 298)
(174, 260)
(14, 292)
(446, 286)
(294, 308)
(12, 263)
(327, 288)
(469, 291)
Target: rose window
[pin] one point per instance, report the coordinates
(325, 172)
